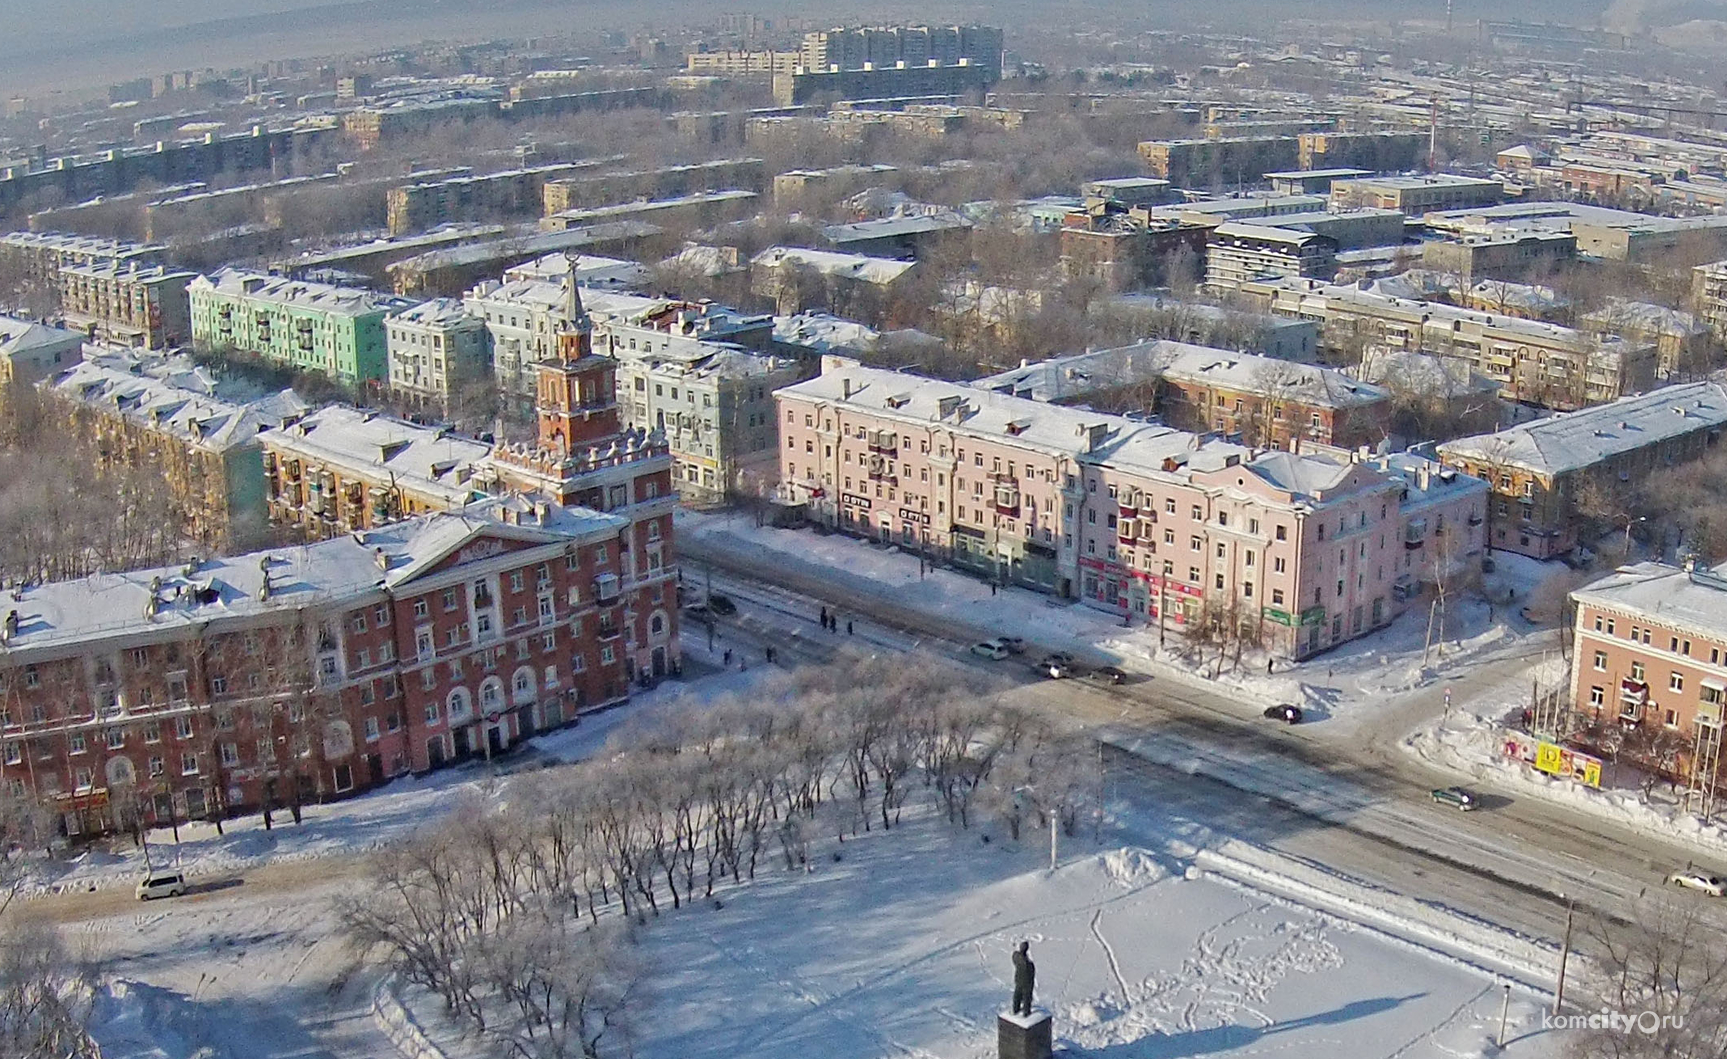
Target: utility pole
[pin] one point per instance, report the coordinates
(1052, 833)
(1504, 1010)
(1564, 956)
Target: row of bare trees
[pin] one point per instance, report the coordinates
(44, 992)
(518, 918)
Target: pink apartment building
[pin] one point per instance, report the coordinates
(1311, 549)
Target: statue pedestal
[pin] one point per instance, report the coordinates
(1025, 1036)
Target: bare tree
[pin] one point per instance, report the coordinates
(1666, 961)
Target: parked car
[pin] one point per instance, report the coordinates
(1108, 675)
(161, 884)
(990, 649)
(1701, 881)
(1461, 798)
(1057, 666)
(1284, 712)
(721, 605)
(1016, 644)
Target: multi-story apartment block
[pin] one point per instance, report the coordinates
(590, 190)
(879, 47)
(41, 255)
(1219, 162)
(1709, 296)
(136, 305)
(1649, 658)
(1415, 195)
(1298, 550)
(901, 81)
(1129, 250)
(417, 207)
(1260, 401)
(524, 318)
(276, 678)
(1236, 253)
(204, 448)
(1541, 470)
(339, 469)
(335, 331)
(434, 348)
(1509, 255)
(1534, 363)
(1684, 347)
(714, 403)
(30, 352)
(741, 63)
(1380, 152)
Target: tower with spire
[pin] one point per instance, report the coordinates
(575, 389)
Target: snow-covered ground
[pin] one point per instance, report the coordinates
(902, 948)
(1339, 685)
(1470, 739)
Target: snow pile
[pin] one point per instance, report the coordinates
(1132, 868)
(1470, 739)
(1532, 962)
(132, 1020)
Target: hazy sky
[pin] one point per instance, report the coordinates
(78, 43)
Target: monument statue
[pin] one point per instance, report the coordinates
(1024, 975)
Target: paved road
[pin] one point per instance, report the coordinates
(1360, 806)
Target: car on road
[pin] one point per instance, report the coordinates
(1701, 881)
(721, 605)
(1457, 796)
(990, 649)
(1058, 666)
(1284, 712)
(1108, 675)
(161, 884)
(1016, 644)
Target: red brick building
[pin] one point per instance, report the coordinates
(308, 673)
(1649, 659)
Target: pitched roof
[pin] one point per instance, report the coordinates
(1574, 440)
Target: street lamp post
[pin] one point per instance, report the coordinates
(1629, 522)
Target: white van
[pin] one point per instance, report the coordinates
(161, 884)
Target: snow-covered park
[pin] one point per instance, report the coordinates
(902, 948)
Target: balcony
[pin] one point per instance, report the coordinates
(608, 631)
(607, 589)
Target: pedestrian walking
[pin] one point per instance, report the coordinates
(848, 627)
(728, 659)
(824, 618)
(992, 588)
(1268, 667)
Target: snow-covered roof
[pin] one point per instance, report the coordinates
(824, 333)
(114, 606)
(1667, 594)
(833, 263)
(1071, 377)
(303, 294)
(606, 273)
(1574, 440)
(438, 313)
(194, 416)
(427, 460)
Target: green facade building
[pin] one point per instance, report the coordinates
(336, 331)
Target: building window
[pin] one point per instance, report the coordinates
(189, 763)
(1597, 695)
(1675, 682)
(1277, 597)
(1601, 661)
(1637, 672)
(230, 756)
